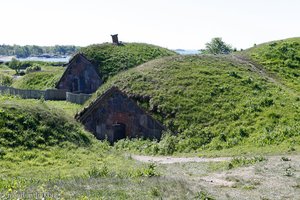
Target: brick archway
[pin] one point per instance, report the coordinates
(121, 118)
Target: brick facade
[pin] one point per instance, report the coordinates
(115, 111)
(80, 76)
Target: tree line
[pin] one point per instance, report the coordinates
(34, 50)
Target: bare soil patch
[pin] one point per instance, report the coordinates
(278, 177)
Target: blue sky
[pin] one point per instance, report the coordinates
(187, 24)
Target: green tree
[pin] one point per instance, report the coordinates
(217, 46)
(15, 64)
(22, 52)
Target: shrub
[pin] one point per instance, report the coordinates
(98, 172)
(243, 161)
(149, 171)
(34, 68)
(167, 145)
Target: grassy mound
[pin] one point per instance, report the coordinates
(31, 124)
(281, 58)
(38, 80)
(211, 102)
(111, 59)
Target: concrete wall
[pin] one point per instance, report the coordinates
(25, 94)
(54, 94)
(50, 94)
(77, 98)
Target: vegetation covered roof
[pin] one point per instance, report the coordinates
(212, 101)
(112, 59)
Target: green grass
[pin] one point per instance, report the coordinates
(111, 59)
(4, 69)
(34, 124)
(68, 108)
(281, 58)
(73, 172)
(44, 151)
(210, 103)
(213, 105)
(6, 75)
(45, 79)
(90, 172)
(38, 80)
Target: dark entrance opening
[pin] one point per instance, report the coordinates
(119, 131)
(75, 85)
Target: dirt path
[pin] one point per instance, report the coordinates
(171, 160)
(256, 68)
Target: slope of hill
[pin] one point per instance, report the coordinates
(111, 59)
(38, 80)
(32, 123)
(45, 152)
(280, 58)
(212, 102)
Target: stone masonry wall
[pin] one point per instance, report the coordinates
(118, 108)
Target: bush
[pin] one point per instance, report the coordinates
(167, 145)
(149, 171)
(34, 68)
(98, 172)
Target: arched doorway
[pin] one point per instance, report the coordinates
(119, 131)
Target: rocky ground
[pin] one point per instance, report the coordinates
(276, 177)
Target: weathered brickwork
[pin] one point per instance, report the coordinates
(80, 76)
(115, 116)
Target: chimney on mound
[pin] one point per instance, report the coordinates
(115, 39)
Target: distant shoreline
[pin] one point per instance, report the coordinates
(187, 52)
(47, 58)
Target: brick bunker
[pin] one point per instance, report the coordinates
(115, 116)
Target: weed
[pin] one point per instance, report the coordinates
(264, 198)
(285, 159)
(289, 171)
(148, 171)
(98, 172)
(248, 187)
(291, 149)
(203, 196)
(154, 191)
(151, 170)
(244, 161)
